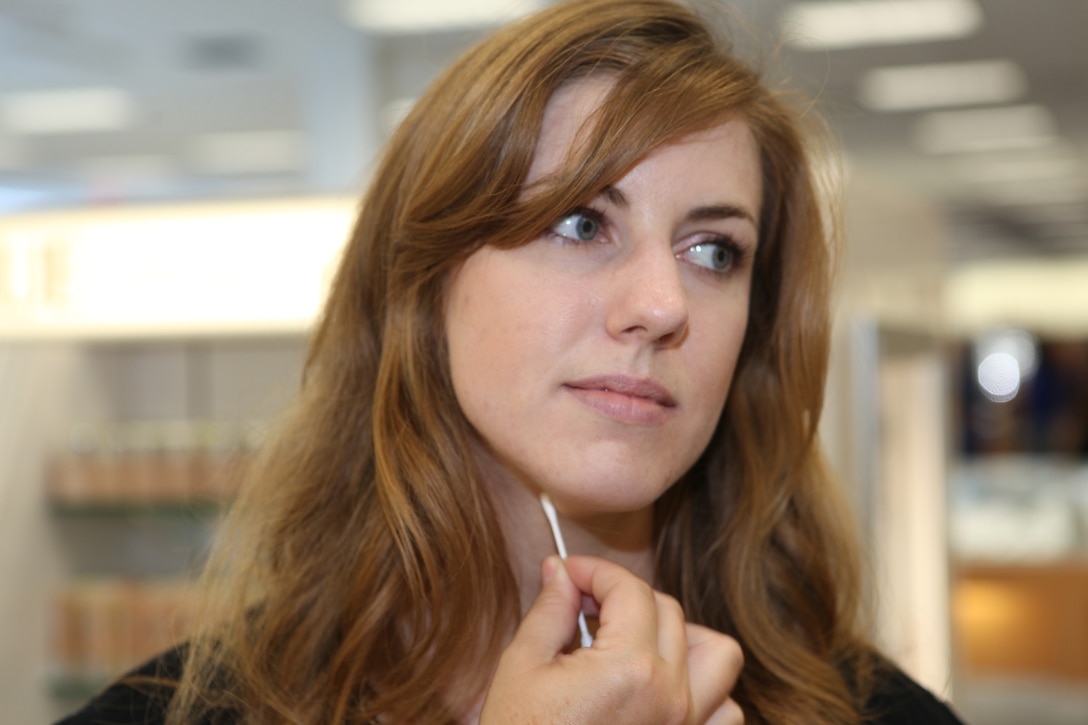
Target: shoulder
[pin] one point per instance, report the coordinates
(896, 699)
(139, 698)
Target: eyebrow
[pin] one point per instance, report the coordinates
(700, 213)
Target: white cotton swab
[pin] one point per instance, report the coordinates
(557, 534)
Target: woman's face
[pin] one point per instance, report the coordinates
(594, 361)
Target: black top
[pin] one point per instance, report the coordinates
(897, 700)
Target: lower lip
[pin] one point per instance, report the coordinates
(622, 408)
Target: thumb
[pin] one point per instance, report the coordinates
(549, 625)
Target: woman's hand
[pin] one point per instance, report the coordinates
(646, 666)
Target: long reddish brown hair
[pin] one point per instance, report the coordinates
(363, 567)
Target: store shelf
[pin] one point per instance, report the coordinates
(160, 340)
(104, 627)
(135, 491)
(129, 509)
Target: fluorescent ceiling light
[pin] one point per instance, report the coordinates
(248, 152)
(849, 23)
(985, 129)
(413, 16)
(932, 85)
(71, 111)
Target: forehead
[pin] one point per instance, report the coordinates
(565, 115)
(568, 118)
(730, 149)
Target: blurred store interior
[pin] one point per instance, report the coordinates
(177, 178)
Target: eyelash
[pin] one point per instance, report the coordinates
(738, 252)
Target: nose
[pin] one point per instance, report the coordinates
(647, 299)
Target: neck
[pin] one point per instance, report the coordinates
(623, 537)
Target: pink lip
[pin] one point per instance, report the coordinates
(623, 398)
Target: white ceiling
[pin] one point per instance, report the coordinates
(1042, 209)
(252, 97)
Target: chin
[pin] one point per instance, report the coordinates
(605, 494)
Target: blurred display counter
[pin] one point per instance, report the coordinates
(1023, 620)
(1018, 529)
(1019, 509)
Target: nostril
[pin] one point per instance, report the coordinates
(674, 337)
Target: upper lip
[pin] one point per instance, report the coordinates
(627, 385)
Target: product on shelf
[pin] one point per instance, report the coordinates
(102, 628)
(151, 462)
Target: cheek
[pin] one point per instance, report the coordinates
(718, 348)
(497, 334)
(475, 357)
(502, 325)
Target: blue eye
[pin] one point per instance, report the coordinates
(578, 226)
(715, 256)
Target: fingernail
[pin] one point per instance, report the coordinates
(550, 567)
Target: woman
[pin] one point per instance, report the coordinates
(593, 264)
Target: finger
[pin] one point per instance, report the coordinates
(549, 625)
(672, 638)
(628, 609)
(728, 714)
(714, 663)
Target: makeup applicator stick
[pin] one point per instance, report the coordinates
(557, 535)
